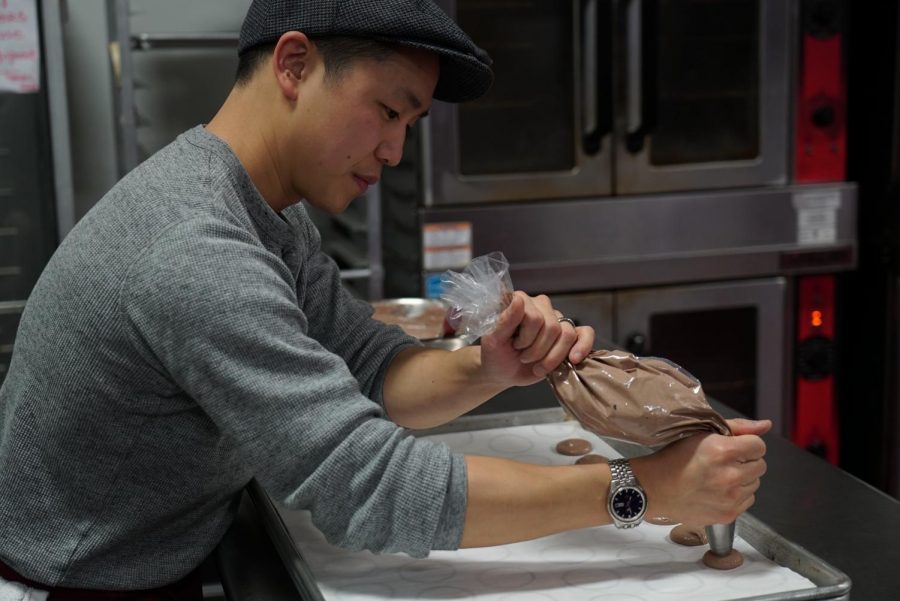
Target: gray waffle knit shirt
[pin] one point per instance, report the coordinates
(184, 339)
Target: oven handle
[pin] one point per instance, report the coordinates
(590, 125)
(640, 87)
(633, 90)
(596, 73)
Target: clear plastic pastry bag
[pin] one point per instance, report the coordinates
(477, 296)
(644, 400)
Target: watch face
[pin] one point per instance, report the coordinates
(628, 503)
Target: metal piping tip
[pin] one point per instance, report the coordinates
(721, 538)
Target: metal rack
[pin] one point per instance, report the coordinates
(10, 311)
(356, 243)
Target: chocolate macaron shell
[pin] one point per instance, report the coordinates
(731, 561)
(574, 446)
(688, 535)
(592, 458)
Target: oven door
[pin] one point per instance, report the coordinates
(543, 130)
(704, 94)
(731, 336)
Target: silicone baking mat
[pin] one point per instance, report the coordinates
(601, 563)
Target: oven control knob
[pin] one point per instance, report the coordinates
(822, 18)
(815, 358)
(823, 116)
(636, 343)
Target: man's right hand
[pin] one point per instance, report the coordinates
(704, 479)
(707, 478)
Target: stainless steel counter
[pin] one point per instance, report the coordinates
(835, 516)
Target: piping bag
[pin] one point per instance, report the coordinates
(614, 394)
(644, 400)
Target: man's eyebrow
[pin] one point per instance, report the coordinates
(413, 101)
(411, 98)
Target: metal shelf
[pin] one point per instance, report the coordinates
(152, 41)
(11, 307)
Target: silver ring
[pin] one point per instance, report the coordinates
(564, 318)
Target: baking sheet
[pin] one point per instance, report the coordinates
(590, 564)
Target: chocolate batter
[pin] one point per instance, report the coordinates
(660, 520)
(592, 458)
(723, 562)
(688, 535)
(648, 401)
(574, 446)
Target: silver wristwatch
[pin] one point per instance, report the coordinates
(627, 501)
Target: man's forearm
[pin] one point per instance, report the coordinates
(428, 387)
(510, 501)
(425, 387)
(702, 479)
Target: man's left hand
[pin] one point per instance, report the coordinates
(530, 341)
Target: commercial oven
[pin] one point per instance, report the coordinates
(679, 164)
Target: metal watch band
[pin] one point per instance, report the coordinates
(621, 472)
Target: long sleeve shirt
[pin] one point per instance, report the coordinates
(184, 339)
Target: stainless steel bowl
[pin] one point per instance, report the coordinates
(451, 343)
(419, 317)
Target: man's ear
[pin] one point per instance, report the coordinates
(292, 61)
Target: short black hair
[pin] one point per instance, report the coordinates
(250, 60)
(338, 54)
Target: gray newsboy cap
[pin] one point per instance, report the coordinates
(465, 68)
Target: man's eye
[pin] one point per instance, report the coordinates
(391, 113)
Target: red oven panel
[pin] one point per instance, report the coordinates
(821, 147)
(815, 423)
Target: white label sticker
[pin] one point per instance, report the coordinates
(817, 216)
(447, 245)
(20, 50)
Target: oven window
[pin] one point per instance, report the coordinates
(525, 123)
(717, 346)
(707, 80)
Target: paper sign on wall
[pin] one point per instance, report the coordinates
(20, 56)
(447, 245)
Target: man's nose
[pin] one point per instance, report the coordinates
(390, 151)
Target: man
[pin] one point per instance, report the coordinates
(189, 335)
